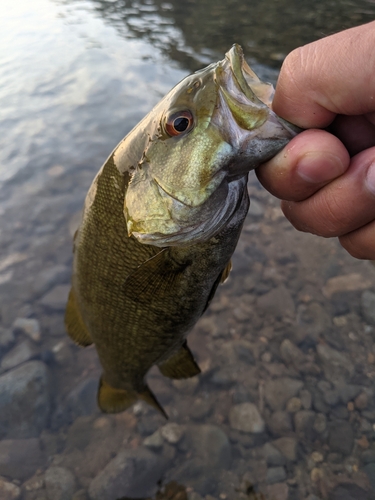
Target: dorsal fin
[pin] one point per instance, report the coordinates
(180, 365)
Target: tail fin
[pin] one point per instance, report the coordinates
(112, 400)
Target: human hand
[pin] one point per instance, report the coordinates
(327, 179)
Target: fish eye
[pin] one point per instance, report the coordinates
(179, 122)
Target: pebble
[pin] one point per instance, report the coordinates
(200, 408)
(361, 401)
(7, 339)
(320, 423)
(317, 457)
(172, 433)
(24, 401)
(20, 458)
(155, 441)
(272, 455)
(60, 483)
(293, 405)
(336, 365)
(210, 444)
(132, 473)
(9, 491)
(306, 399)
(341, 438)
(280, 423)
(25, 351)
(279, 491)
(29, 327)
(81, 400)
(287, 447)
(368, 456)
(291, 354)
(346, 283)
(278, 392)
(275, 475)
(57, 298)
(245, 417)
(368, 307)
(370, 471)
(303, 423)
(277, 302)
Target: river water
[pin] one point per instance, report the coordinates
(290, 338)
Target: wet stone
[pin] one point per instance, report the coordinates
(25, 351)
(210, 444)
(29, 327)
(278, 392)
(306, 399)
(341, 438)
(361, 401)
(350, 492)
(7, 339)
(287, 446)
(370, 471)
(50, 277)
(196, 474)
(368, 456)
(81, 400)
(155, 441)
(132, 473)
(9, 491)
(24, 401)
(320, 423)
(245, 417)
(200, 408)
(60, 483)
(272, 455)
(275, 475)
(277, 302)
(280, 423)
(172, 433)
(278, 491)
(303, 423)
(368, 306)
(336, 365)
(20, 458)
(57, 298)
(293, 405)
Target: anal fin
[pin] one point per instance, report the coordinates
(180, 365)
(74, 324)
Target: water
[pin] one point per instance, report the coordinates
(75, 77)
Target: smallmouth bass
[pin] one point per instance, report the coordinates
(161, 221)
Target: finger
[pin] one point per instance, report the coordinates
(331, 76)
(307, 163)
(342, 206)
(360, 243)
(355, 132)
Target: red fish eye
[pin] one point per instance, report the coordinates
(178, 123)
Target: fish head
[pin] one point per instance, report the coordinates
(190, 157)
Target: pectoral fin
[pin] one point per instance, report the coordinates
(180, 365)
(226, 272)
(155, 277)
(74, 324)
(112, 400)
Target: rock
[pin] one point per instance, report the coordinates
(132, 473)
(368, 307)
(25, 351)
(275, 475)
(348, 392)
(24, 401)
(172, 433)
(287, 446)
(155, 441)
(60, 483)
(7, 339)
(341, 438)
(370, 471)
(306, 399)
(210, 444)
(272, 455)
(320, 423)
(57, 298)
(317, 457)
(80, 495)
(200, 408)
(350, 492)
(277, 302)
(20, 458)
(293, 405)
(303, 423)
(336, 365)
(50, 277)
(82, 399)
(368, 456)
(196, 474)
(278, 392)
(245, 417)
(361, 401)
(29, 327)
(314, 320)
(9, 491)
(291, 354)
(280, 423)
(346, 283)
(279, 491)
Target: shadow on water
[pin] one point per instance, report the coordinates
(285, 401)
(196, 31)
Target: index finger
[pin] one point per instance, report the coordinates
(328, 77)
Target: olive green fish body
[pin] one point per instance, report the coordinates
(161, 222)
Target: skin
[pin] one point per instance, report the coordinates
(326, 179)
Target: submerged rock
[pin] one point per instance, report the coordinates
(20, 458)
(245, 417)
(60, 483)
(278, 392)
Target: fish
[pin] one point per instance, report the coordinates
(160, 223)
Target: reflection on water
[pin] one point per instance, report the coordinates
(284, 408)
